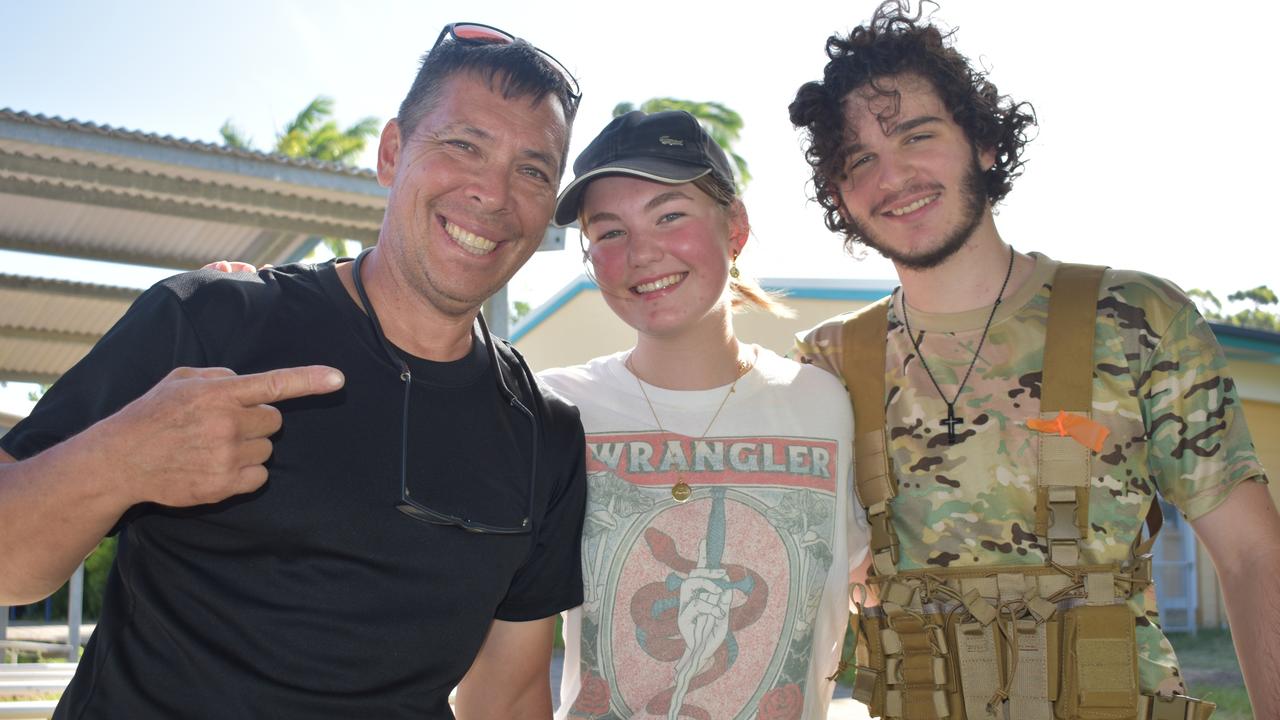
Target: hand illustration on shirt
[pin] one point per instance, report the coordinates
(706, 596)
(690, 617)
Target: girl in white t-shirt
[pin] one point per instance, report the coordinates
(720, 537)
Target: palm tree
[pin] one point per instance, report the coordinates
(315, 135)
(722, 124)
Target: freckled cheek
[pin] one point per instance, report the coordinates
(698, 244)
(608, 264)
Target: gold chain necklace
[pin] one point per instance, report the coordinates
(681, 490)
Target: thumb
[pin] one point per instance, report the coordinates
(284, 384)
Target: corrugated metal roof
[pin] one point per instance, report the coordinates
(82, 190)
(90, 191)
(134, 236)
(170, 141)
(47, 325)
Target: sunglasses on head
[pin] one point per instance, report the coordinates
(468, 32)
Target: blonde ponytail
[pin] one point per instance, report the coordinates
(748, 295)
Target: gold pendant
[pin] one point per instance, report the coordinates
(681, 491)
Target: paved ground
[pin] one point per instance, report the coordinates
(847, 709)
(842, 708)
(46, 633)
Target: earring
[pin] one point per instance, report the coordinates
(733, 265)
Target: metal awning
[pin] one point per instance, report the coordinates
(81, 190)
(95, 192)
(46, 326)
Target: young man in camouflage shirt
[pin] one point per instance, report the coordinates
(910, 148)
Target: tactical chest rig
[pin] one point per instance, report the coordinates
(1012, 642)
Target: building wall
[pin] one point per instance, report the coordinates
(1256, 381)
(581, 328)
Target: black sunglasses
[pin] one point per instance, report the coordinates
(469, 32)
(408, 505)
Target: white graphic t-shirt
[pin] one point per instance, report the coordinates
(733, 603)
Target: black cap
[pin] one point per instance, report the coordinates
(667, 147)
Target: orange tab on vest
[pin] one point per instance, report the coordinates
(1080, 428)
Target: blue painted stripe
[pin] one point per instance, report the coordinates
(1248, 343)
(549, 308)
(1251, 349)
(813, 293)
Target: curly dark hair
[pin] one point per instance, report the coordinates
(896, 41)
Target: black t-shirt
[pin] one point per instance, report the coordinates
(314, 596)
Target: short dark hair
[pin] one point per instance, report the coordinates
(515, 69)
(895, 42)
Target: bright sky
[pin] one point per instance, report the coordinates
(1154, 148)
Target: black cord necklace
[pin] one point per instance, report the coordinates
(952, 420)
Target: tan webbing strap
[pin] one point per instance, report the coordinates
(1068, 346)
(1155, 521)
(1139, 567)
(1177, 707)
(1062, 497)
(863, 353)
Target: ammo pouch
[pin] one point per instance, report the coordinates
(905, 668)
(1099, 664)
(974, 658)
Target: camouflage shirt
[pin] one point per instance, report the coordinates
(1175, 425)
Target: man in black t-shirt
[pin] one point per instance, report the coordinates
(336, 494)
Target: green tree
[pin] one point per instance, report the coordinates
(97, 568)
(1259, 317)
(721, 123)
(519, 309)
(315, 135)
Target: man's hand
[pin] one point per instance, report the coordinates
(198, 436)
(231, 266)
(201, 434)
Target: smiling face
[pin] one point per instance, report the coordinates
(471, 192)
(913, 182)
(661, 253)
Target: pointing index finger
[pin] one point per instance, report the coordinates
(285, 384)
